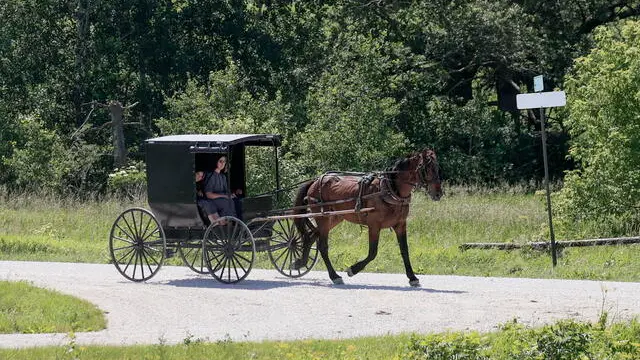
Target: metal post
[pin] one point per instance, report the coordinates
(554, 257)
(275, 154)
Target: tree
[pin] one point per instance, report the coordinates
(222, 105)
(350, 111)
(603, 94)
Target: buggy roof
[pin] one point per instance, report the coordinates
(219, 139)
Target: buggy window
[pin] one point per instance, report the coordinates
(260, 169)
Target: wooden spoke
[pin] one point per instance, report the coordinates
(137, 244)
(286, 248)
(192, 256)
(228, 250)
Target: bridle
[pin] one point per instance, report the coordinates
(424, 176)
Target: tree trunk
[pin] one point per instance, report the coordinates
(117, 123)
(82, 38)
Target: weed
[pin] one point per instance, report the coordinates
(192, 340)
(226, 340)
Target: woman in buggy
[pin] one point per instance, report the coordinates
(213, 193)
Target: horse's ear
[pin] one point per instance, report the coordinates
(429, 153)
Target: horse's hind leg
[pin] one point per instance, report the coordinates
(401, 233)
(307, 241)
(374, 235)
(323, 248)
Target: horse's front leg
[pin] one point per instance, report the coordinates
(374, 235)
(401, 233)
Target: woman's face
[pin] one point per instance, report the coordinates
(199, 175)
(222, 162)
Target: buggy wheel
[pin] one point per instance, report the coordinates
(137, 244)
(286, 246)
(229, 250)
(191, 255)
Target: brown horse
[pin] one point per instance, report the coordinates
(383, 198)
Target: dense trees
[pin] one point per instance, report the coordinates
(349, 84)
(604, 123)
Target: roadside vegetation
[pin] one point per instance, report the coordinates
(564, 340)
(46, 228)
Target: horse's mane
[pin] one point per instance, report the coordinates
(391, 172)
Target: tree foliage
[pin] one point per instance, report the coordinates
(349, 84)
(604, 103)
(222, 105)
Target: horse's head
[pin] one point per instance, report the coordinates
(429, 172)
(419, 169)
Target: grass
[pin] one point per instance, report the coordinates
(562, 340)
(50, 229)
(54, 229)
(27, 309)
(44, 229)
(436, 229)
(385, 347)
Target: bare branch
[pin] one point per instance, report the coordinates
(617, 11)
(82, 125)
(132, 105)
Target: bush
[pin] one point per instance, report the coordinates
(564, 340)
(42, 161)
(446, 347)
(129, 181)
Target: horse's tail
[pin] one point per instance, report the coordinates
(300, 198)
(299, 202)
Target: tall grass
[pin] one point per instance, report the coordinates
(54, 228)
(50, 228)
(465, 215)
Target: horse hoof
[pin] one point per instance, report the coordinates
(338, 281)
(297, 265)
(415, 283)
(349, 272)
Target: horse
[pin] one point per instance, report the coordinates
(385, 197)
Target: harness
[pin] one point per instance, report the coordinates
(362, 183)
(389, 196)
(387, 193)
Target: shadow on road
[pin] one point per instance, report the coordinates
(249, 284)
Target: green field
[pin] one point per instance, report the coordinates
(41, 229)
(30, 310)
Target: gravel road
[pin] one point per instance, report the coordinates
(178, 304)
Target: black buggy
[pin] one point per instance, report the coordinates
(141, 239)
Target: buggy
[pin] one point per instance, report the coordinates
(142, 239)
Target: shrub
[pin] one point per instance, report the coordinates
(130, 181)
(564, 340)
(446, 347)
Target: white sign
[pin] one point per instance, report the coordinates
(538, 83)
(541, 100)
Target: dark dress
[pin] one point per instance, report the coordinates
(216, 183)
